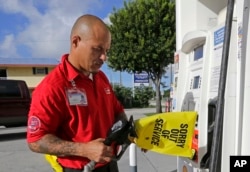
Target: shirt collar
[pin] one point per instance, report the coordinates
(70, 72)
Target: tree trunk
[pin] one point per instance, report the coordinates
(158, 96)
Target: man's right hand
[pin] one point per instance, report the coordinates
(97, 151)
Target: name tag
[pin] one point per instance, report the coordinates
(77, 97)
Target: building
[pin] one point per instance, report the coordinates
(31, 70)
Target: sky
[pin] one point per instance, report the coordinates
(41, 28)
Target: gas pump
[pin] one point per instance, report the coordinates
(222, 111)
(193, 81)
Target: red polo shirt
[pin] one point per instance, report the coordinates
(51, 113)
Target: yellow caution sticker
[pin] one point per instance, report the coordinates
(167, 133)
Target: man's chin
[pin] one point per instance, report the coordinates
(94, 71)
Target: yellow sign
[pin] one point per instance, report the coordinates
(167, 133)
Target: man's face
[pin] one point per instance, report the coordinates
(92, 52)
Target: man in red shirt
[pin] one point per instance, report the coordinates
(73, 108)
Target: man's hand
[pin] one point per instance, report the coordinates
(97, 151)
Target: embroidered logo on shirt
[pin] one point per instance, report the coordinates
(34, 124)
(107, 90)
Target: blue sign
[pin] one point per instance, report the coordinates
(219, 36)
(141, 78)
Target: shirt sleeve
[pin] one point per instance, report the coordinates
(46, 112)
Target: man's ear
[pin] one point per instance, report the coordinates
(75, 40)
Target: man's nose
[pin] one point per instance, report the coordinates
(104, 56)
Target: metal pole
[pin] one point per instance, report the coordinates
(132, 158)
(215, 159)
(120, 78)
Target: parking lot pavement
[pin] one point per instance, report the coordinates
(139, 113)
(148, 162)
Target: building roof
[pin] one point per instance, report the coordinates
(22, 62)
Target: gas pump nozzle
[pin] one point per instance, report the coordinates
(121, 134)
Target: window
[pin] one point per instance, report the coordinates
(40, 70)
(175, 82)
(198, 53)
(196, 82)
(10, 89)
(3, 74)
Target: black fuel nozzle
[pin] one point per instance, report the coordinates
(122, 134)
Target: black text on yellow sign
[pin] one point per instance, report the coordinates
(177, 135)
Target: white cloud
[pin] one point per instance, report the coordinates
(7, 45)
(24, 7)
(46, 34)
(107, 20)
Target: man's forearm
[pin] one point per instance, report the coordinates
(53, 145)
